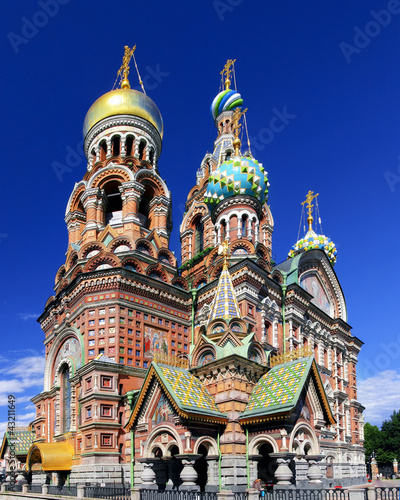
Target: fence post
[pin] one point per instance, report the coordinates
(252, 494)
(135, 493)
(3, 487)
(25, 488)
(371, 493)
(225, 495)
(45, 489)
(356, 494)
(80, 490)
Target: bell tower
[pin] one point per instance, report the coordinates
(122, 196)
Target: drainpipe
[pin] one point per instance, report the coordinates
(219, 462)
(284, 287)
(129, 396)
(247, 458)
(194, 295)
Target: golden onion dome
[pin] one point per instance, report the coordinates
(124, 101)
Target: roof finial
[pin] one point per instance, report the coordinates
(227, 70)
(236, 126)
(224, 251)
(125, 67)
(309, 198)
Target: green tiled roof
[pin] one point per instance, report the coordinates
(187, 391)
(22, 440)
(278, 390)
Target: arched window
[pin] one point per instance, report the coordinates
(116, 145)
(142, 146)
(151, 156)
(198, 237)
(144, 207)
(113, 204)
(103, 150)
(66, 399)
(244, 226)
(129, 145)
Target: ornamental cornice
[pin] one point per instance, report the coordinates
(236, 200)
(95, 192)
(124, 120)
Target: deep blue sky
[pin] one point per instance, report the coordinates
(341, 140)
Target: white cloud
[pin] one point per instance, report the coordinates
(27, 316)
(380, 395)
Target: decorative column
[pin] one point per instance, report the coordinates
(314, 472)
(395, 467)
(148, 476)
(188, 474)
(283, 473)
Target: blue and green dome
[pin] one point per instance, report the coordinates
(312, 241)
(225, 101)
(237, 176)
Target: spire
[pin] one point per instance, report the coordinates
(225, 304)
(227, 72)
(236, 126)
(309, 198)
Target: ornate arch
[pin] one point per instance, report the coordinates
(89, 247)
(180, 282)
(212, 448)
(143, 242)
(157, 269)
(132, 262)
(60, 273)
(161, 429)
(112, 172)
(307, 429)
(199, 279)
(196, 210)
(165, 252)
(120, 240)
(71, 260)
(75, 197)
(102, 258)
(54, 350)
(201, 351)
(149, 177)
(258, 441)
(242, 243)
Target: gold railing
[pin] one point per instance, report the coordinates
(302, 352)
(169, 359)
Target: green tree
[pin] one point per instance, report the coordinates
(385, 442)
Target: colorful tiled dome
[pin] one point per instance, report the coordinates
(225, 101)
(312, 241)
(237, 176)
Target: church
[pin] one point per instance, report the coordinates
(206, 374)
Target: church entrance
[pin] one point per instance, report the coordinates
(266, 465)
(201, 468)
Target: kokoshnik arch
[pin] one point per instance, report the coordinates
(217, 372)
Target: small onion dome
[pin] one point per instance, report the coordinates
(311, 241)
(225, 101)
(124, 101)
(237, 176)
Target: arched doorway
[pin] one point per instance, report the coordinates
(160, 468)
(265, 466)
(174, 468)
(201, 466)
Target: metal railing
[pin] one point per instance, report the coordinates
(177, 495)
(310, 494)
(70, 491)
(34, 488)
(241, 495)
(111, 492)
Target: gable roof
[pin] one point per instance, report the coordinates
(277, 393)
(188, 396)
(21, 438)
